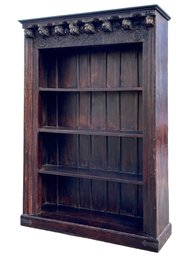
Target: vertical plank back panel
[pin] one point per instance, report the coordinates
(98, 69)
(99, 195)
(113, 111)
(68, 191)
(67, 108)
(113, 197)
(113, 69)
(129, 111)
(98, 118)
(67, 70)
(129, 68)
(85, 195)
(84, 110)
(49, 189)
(67, 148)
(84, 69)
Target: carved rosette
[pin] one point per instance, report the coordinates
(133, 23)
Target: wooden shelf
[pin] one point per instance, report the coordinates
(60, 130)
(121, 223)
(106, 175)
(121, 89)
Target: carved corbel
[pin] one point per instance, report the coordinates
(29, 33)
(149, 21)
(74, 29)
(107, 26)
(43, 31)
(89, 28)
(126, 24)
(59, 30)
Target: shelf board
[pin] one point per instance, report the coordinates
(61, 130)
(106, 220)
(46, 89)
(107, 175)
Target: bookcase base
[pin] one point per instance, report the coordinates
(139, 240)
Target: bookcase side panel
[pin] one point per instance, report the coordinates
(30, 100)
(149, 191)
(162, 124)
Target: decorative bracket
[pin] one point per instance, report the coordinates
(89, 28)
(92, 26)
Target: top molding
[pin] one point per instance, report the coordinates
(92, 22)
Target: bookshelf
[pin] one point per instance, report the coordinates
(95, 159)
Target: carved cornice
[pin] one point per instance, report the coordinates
(90, 26)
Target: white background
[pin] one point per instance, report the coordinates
(21, 241)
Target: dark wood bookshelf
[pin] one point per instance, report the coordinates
(95, 133)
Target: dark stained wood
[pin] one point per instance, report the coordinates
(89, 89)
(85, 196)
(84, 78)
(97, 132)
(84, 110)
(48, 70)
(95, 144)
(99, 195)
(162, 126)
(68, 193)
(67, 110)
(98, 111)
(113, 111)
(113, 69)
(92, 174)
(67, 70)
(113, 153)
(113, 197)
(112, 221)
(98, 69)
(129, 69)
(49, 186)
(128, 199)
(68, 150)
(129, 102)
